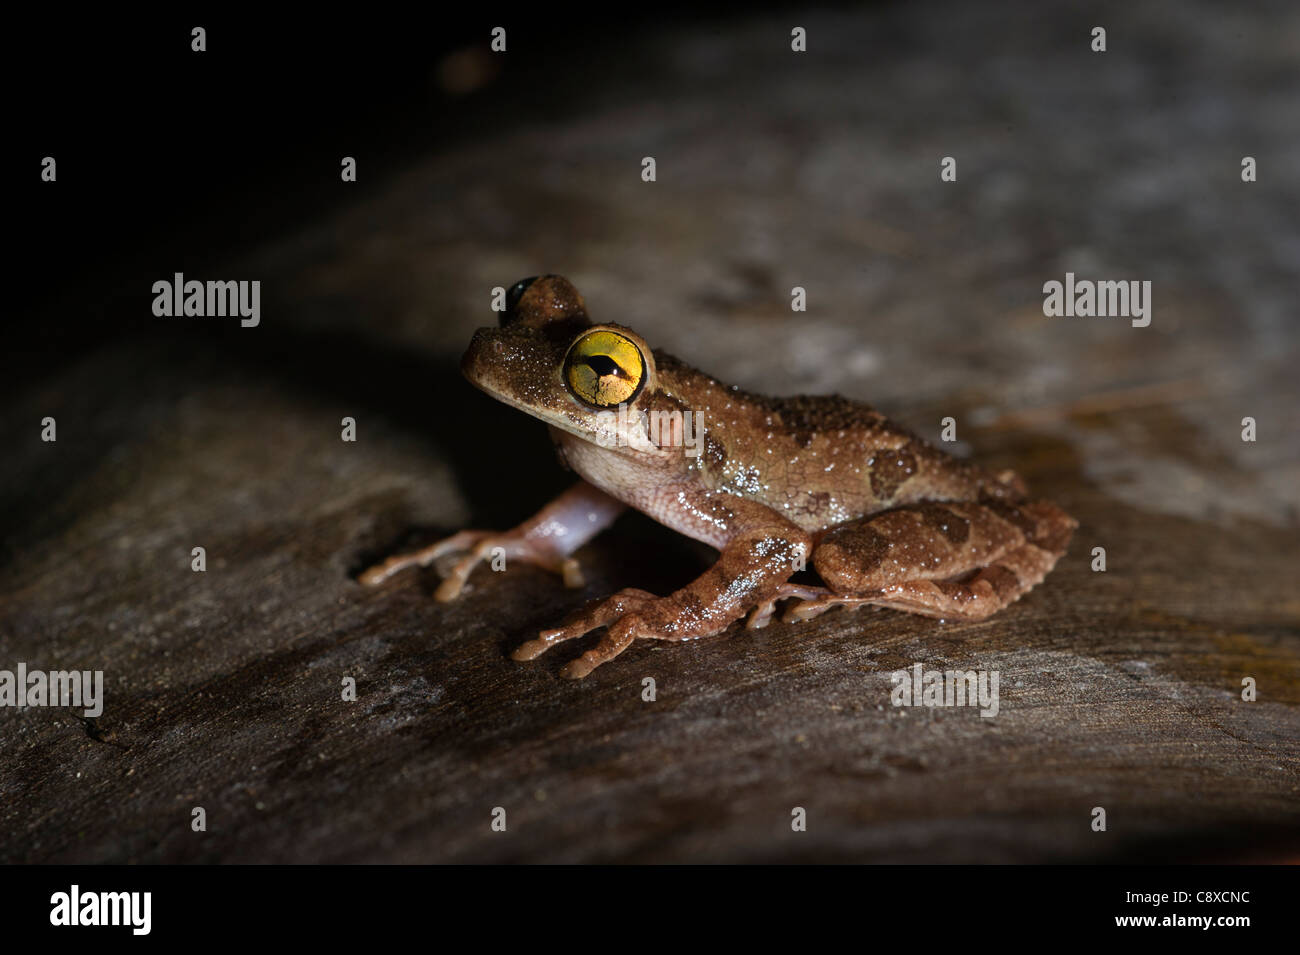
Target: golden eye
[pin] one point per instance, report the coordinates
(604, 368)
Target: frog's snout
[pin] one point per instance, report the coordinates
(508, 360)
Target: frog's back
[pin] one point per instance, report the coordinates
(820, 460)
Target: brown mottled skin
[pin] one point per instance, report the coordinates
(884, 518)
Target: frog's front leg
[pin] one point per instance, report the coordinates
(545, 539)
(760, 550)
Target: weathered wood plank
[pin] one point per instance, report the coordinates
(1119, 689)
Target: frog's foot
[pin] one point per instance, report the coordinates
(762, 613)
(818, 604)
(477, 546)
(753, 564)
(619, 612)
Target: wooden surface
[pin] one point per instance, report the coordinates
(1118, 689)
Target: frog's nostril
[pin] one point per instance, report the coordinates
(512, 300)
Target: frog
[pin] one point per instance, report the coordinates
(775, 485)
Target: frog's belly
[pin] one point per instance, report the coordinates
(658, 487)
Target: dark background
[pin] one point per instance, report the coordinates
(172, 155)
(1120, 689)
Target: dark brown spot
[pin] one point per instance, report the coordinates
(858, 546)
(715, 455)
(1015, 516)
(819, 413)
(1004, 582)
(950, 524)
(890, 470)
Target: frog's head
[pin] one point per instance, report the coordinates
(548, 359)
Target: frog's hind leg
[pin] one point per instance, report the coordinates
(978, 596)
(818, 604)
(762, 613)
(962, 559)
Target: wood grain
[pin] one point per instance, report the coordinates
(1119, 689)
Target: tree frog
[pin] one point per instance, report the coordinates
(774, 484)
